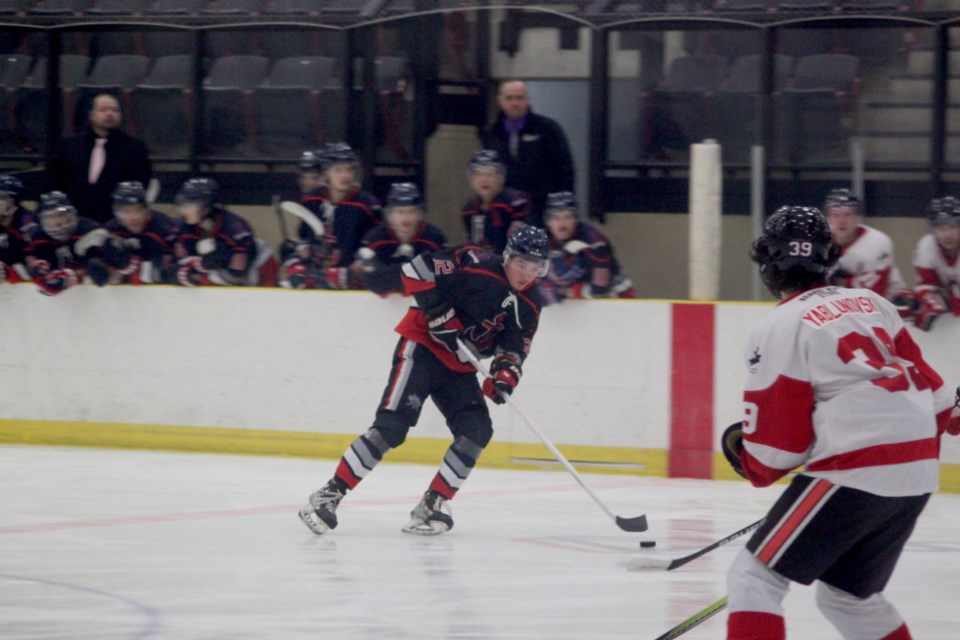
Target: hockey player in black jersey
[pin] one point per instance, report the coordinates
(139, 249)
(66, 248)
(490, 303)
(17, 227)
(348, 214)
(387, 247)
(216, 246)
(493, 211)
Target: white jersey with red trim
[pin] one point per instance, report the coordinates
(869, 260)
(934, 269)
(837, 384)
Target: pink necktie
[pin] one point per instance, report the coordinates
(98, 158)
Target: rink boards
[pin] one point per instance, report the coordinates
(640, 387)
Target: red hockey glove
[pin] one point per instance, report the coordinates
(931, 305)
(57, 281)
(445, 329)
(732, 444)
(337, 278)
(504, 377)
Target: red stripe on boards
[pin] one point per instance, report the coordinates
(691, 391)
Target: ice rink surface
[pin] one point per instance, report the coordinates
(104, 544)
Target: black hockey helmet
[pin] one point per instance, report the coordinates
(486, 158)
(10, 187)
(52, 203)
(944, 210)
(129, 193)
(404, 194)
(841, 198)
(795, 250)
(531, 243)
(312, 160)
(201, 191)
(339, 153)
(560, 201)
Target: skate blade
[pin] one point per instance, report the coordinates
(420, 528)
(313, 522)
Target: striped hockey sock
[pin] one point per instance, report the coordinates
(457, 464)
(360, 459)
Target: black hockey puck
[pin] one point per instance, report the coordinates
(648, 544)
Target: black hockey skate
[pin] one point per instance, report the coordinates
(431, 517)
(320, 512)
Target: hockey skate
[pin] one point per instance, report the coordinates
(320, 512)
(431, 517)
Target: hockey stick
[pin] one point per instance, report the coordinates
(641, 563)
(153, 191)
(638, 523)
(695, 619)
(307, 216)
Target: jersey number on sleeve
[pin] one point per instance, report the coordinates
(880, 353)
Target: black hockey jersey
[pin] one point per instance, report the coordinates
(232, 252)
(13, 244)
(381, 274)
(46, 255)
(583, 266)
(496, 318)
(146, 257)
(489, 228)
(345, 223)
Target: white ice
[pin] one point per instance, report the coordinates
(103, 544)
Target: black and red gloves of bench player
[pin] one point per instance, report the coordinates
(504, 377)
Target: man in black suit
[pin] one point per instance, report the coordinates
(533, 147)
(92, 163)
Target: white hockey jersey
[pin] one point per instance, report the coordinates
(837, 384)
(869, 260)
(934, 269)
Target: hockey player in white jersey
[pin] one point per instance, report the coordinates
(835, 384)
(866, 254)
(937, 263)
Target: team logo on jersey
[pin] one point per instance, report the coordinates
(755, 358)
(414, 401)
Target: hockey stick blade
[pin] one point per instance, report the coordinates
(645, 563)
(299, 211)
(695, 619)
(638, 523)
(153, 191)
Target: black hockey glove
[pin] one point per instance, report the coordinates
(117, 251)
(840, 278)
(732, 445)
(445, 329)
(98, 271)
(504, 377)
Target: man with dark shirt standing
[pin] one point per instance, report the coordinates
(92, 163)
(533, 147)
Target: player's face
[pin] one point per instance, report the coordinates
(310, 181)
(843, 223)
(562, 224)
(192, 212)
(341, 177)
(513, 101)
(404, 220)
(105, 114)
(59, 223)
(486, 182)
(522, 272)
(133, 217)
(948, 236)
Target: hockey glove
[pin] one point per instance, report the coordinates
(905, 302)
(57, 281)
(98, 271)
(337, 278)
(191, 273)
(931, 305)
(504, 377)
(732, 445)
(117, 252)
(445, 329)
(840, 278)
